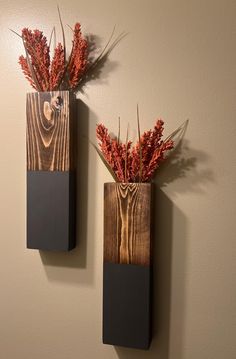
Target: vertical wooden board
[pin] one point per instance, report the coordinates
(51, 170)
(50, 131)
(127, 221)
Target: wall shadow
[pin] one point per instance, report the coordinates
(188, 168)
(169, 255)
(55, 263)
(99, 56)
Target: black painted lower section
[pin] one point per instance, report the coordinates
(51, 204)
(127, 305)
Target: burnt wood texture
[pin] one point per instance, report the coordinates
(127, 219)
(127, 267)
(50, 132)
(51, 170)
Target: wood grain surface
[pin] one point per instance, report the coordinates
(127, 223)
(50, 133)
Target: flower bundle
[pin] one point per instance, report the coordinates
(59, 72)
(45, 74)
(133, 163)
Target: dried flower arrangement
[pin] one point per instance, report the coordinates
(130, 163)
(60, 72)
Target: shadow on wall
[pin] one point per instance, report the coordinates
(104, 65)
(185, 167)
(82, 257)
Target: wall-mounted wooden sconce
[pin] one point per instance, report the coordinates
(127, 265)
(51, 170)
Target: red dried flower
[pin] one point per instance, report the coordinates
(128, 163)
(79, 57)
(57, 67)
(26, 71)
(44, 75)
(115, 153)
(60, 73)
(38, 51)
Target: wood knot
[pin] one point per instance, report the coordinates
(47, 111)
(57, 103)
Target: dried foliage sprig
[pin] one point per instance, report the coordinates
(57, 69)
(59, 72)
(79, 57)
(138, 162)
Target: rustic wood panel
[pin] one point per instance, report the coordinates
(127, 223)
(51, 131)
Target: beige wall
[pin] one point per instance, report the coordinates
(178, 61)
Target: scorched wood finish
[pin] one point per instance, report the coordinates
(127, 220)
(50, 132)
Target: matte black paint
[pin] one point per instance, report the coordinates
(51, 201)
(127, 305)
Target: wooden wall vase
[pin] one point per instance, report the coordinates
(51, 170)
(127, 265)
